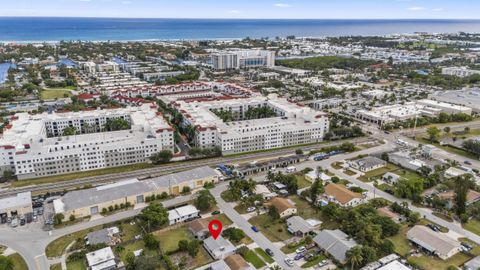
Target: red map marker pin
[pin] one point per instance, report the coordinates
(215, 228)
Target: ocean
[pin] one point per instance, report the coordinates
(33, 29)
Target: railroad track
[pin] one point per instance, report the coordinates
(161, 170)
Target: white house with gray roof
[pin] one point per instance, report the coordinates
(218, 248)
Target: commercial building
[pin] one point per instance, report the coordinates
(38, 145)
(434, 243)
(228, 60)
(367, 164)
(18, 205)
(468, 98)
(336, 243)
(459, 71)
(401, 112)
(181, 214)
(89, 202)
(291, 124)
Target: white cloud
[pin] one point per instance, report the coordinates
(234, 11)
(416, 8)
(438, 9)
(282, 5)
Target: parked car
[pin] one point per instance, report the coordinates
(467, 162)
(433, 227)
(299, 256)
(301, 249)
(322, 263)
(289, 262)
(269, 252)
(216, 212)
(251, 209)
(22, 222)
(255, 229)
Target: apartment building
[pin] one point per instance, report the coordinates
(292, 124)
(459, 71)
(36, 145)
(228, 60)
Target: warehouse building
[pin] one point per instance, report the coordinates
(89, 202)
(18, 205)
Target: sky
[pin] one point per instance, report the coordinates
(249, 9)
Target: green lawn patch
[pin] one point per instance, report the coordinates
(169, 238)
(429, 262)
(372, 175)
(402, 245)
(55, 93)
(130, 231)
(134, 246)
(76, 265)
(337, 165)
(274, 230)
(314, 261)
(472, 225)
(56, 266)
(349, 172)
(302, 181)
(222, 217)
(240, 209)
(18, 262)
(227, 196)
(253, 258)
(264, 255)
(290, 248)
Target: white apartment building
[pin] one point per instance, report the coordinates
(34, 145)
(292, 125)
(459, 71)
(401, 112)
(228, 60)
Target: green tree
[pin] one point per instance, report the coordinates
(150, 241)
(273, 213)
(117, 124)
(433, 133)
(462, 185)
(6, 263)
(154, 215)
(472, 146)
(58, 219)
(69, 131)
(161, 157)
(204, 200)
(354, 256)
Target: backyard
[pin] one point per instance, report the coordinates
(274, 230)
(54, 93)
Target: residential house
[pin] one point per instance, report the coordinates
(199, 229)
(391, 178)
(184, 213)
(342, 196)
(109, 236)
(102, 259)
(367, 164)
(231, 262)
(336, 243)
(472, 197)
(284, 207)
(264, 192)
(434, 243)
(386, 212)
(218, 248)
(301, 227)
(312, 176)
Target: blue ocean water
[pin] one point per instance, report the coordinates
(24, 29)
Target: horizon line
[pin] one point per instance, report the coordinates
(229, 18)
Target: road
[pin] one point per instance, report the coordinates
(30, 241)
(243, 224)
(165, 169)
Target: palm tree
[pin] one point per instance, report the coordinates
(354, 256)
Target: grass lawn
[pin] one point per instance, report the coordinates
(290, 248)
(240, 209)
(306, 211)
(202, 258)
(129, 231)
(222, 217)
(253, 258)
(137, 245)
(57, 247)
(448, 148)
(473, 225)
(337, 165)
(402, 246)
(76, 265)
(56, 266)
(54, 93)
(428, 262)
(72, 176)
(18, 262)
(264, 255)
(314, 262)
(349, 172)
(169, 238)
(302, 181)
(274, 230)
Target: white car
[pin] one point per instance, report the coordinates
(251, 209)
(289, 262)
(301, 249)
